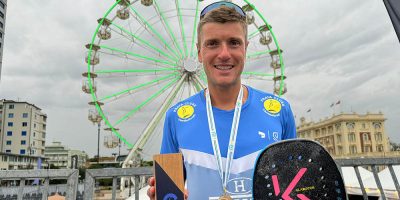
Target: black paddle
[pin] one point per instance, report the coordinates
(297, 169)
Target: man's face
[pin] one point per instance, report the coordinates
(222, 50)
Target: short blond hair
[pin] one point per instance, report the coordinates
(222, 15)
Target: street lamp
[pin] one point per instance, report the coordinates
(96, 118)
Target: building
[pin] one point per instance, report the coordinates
(349, 135)
(22, 135)
(61, 156)
(22, 128)
(15, 161)
(3, 8)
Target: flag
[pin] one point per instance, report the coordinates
(309, 110)
(332, 105)
(39, 166)
(338, 102)
(393, 8)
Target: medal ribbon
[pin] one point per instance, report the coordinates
(232, 139)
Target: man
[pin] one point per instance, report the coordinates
(221, 130)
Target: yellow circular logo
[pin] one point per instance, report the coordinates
(186, 111)
(272, 106)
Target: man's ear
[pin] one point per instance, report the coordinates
(200, 59)
(247, 44)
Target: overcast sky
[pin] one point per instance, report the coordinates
(333, 50)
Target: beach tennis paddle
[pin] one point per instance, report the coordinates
(297, 169)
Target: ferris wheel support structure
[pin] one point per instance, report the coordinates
(152, 125)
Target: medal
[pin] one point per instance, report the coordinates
(224, 174)
(225, 197)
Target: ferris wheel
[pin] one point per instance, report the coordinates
(142, 59)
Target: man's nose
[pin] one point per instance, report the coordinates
(224, 52)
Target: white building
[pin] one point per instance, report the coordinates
(22, 135)
(3, 8)
(22, 128)
(61, 156)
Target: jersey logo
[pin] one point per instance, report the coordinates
(185, 112)
(272, 106)
(262, 135)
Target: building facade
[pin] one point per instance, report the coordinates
(15, 161)
(22, 128)
(61, 156)
(3, 9)
(349, 135)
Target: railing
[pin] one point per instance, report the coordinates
(114, 173)
(23, 175)
(373, 163)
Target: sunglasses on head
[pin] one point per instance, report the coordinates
(216, 5)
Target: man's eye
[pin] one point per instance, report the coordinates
(211, 44)
(235, 42)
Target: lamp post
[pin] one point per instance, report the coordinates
(96, 118)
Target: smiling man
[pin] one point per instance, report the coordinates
(221, 130)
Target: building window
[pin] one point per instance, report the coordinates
(365, 136)
(23, 133)
(24, 115)
(1, 25)
(34, 125)
(352, 137)
(24, 124)
(10, 124)
(378, 137)
(350, 126)
(377, 125)
(339, 138)
(1, 36)
(11, 106)
(8, 151)
(9, 133)
(22, 151)
(8, 142)
(353, 149)
(23, 142)
(34, 134)
(10, 115)
(1, 14)
(2, 5)
(43, 135)
(379, 148)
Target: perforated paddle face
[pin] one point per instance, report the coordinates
(297, 169)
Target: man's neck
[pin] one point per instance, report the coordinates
(225, 98)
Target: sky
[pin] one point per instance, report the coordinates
(333, 51)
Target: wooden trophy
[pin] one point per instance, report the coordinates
(168, 172)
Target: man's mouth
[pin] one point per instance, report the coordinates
(223, 67)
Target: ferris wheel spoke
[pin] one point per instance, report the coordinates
(194, 28)
(258, 54)
(181, 27)
(153, 31)
(138, 55)
(129, 90)
(145, 102)
(147, 71)
(145, 42)
(167, 27)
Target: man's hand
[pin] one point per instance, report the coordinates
(151, 192)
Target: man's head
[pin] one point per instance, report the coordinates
(222, 44)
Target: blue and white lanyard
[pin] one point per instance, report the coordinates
(232, 139)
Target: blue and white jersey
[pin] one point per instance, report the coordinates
(265, 119)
